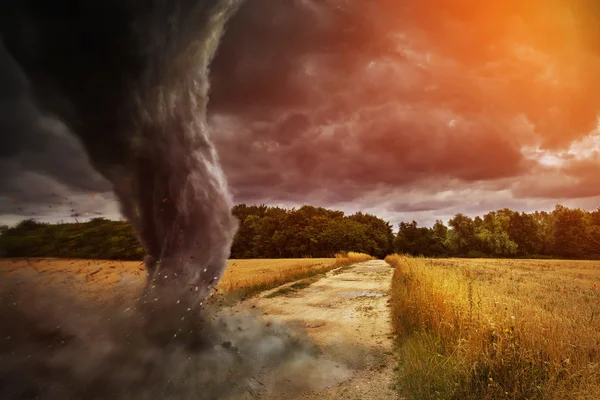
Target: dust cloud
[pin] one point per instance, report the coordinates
(55, 347)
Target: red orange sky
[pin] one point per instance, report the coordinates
(407, 109)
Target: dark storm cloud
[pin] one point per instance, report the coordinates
(498, 57)
(381, 147)
(387, 94)
(421, 206)
(265, 60)
(327, 102)
(42, 163)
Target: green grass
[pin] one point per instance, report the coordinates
(342, 270)
(281, 292)
(301, 285)
(295, 287)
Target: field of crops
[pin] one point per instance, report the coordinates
(489, 328)
(251, 276)
(98, 279)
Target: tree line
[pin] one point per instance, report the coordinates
(274, 232)
(264, 232)
(562, 233)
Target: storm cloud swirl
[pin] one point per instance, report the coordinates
(130, 79)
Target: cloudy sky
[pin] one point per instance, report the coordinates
(406, 109)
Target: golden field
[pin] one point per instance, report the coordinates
(98, 279)
(490, 329)
(251, 276)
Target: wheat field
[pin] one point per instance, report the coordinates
(488, 328)
(106, 280)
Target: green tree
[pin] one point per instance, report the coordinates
(525, 231)
(273, 232)
(462, 238)
(492, 234)
(570, 232)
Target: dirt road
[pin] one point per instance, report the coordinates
(346, 314)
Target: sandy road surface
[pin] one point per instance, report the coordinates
(347, 316)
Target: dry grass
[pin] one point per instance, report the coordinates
(497, 328)
(247, 277)
(105, 280)
(295, 287)
(86, 279)
(347, 258)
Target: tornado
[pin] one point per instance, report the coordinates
(130, 80)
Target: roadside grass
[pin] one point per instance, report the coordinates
(280, 292)
(245, 278)
(305, 283)
(344, 258)
(295, 287)
(347, 260)
(246, 281)
(341, 270)
(496, 329)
